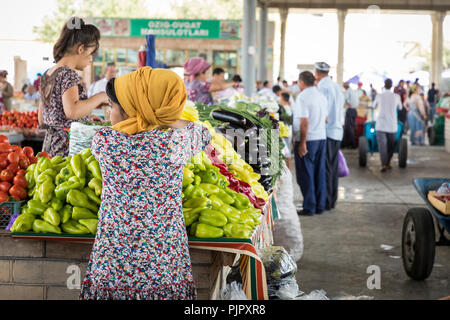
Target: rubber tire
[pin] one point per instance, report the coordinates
(362, 146)
(403, 153)
(432, 136)
(421, 265)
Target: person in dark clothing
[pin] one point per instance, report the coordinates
(402, 113)
(432, 98)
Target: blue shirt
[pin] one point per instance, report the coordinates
(311, 104)
(335, 97)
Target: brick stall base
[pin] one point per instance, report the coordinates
(41, 270)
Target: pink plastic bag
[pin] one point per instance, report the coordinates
(343, 168)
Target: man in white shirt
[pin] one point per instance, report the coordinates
(387, 123)
(100, 86)
(310, 147)
(335, 98)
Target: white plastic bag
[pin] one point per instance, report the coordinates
(233, 291)
(81, 136)
(314, 295)
(287, 231)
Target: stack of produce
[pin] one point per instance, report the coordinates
(16, 119)
(13, 162)
(211, 209)
(66, 194)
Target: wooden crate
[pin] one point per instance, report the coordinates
(443, 207)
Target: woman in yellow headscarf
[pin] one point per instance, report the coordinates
(141, 248)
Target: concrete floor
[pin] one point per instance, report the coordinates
(339, 245)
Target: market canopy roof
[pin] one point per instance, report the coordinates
(436, 5)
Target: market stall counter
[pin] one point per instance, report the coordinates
(51, 266)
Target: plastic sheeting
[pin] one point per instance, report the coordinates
(81, 136)
(287, 230)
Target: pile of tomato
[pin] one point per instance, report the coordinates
(16, 119)
(13, 164)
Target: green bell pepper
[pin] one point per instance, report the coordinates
(197, 203)
(36, 207)
(241, 202)
(190, 166)
(31, 192)
(94, 168)
(187, 192)
(197, 180)
(207, 231)
(61, 165)
(235, 230)
(52, 217)
(43, 164)
(82, 213)
(66, 213)
(88, 160)
(225, 197)
(78, 165)
(197, 161)
(216, 203)
(209, 176)
(196, 192)
(92, 196)
(67, 172)
(97, 185)
(222, 181)
(23, 223)
(81, 181)
(56, 204)
(247, 220)
(193, 229)
(210, 189)
(85, 153)
(231, 213)
(59, 179)
(63, 189)
(90, 224)
(188, 177)
(29, 176)
(79, 199)
(190, 216)
(212, 218)
(253, 212)
(45, 191)
(45, 227)
(49, 172)
(74, 227)
(56, 160)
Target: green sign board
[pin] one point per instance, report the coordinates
(193, 29)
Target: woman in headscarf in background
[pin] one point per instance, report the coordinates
(417, 116)
(199, 87)
(141, 247)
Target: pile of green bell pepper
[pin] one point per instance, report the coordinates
(210, 208)
(65, 194)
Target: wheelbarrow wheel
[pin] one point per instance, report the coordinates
(418, 243)
(403, 153)
(362, 146)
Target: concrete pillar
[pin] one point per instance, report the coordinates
(248, 47)
(262, 41)
(437, 42)
(20, 73)
(341, 14)
(283, 16)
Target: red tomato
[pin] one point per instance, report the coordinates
(3, 197)
(44, 154)
(16, 149)
(33, 160)
(3, 163)
(5, 186)
(6, 175)
(13, 157)
(4, 139)
(24, 162)
(20, 181)
(28, 151)
(5, 148)
(21, 172)
(18, 192)
(13, 167)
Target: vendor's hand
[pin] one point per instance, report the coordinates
(302, 150)
(95, 118)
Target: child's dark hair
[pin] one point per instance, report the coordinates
(75, 33)
(111, 93)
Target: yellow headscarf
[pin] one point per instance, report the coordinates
(150, 98)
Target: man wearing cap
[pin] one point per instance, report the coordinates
(335, 98)
(309, 133)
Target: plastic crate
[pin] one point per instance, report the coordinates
(7, 209)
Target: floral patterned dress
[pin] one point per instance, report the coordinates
(56, 141)
(141, 248)
(198, 91)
